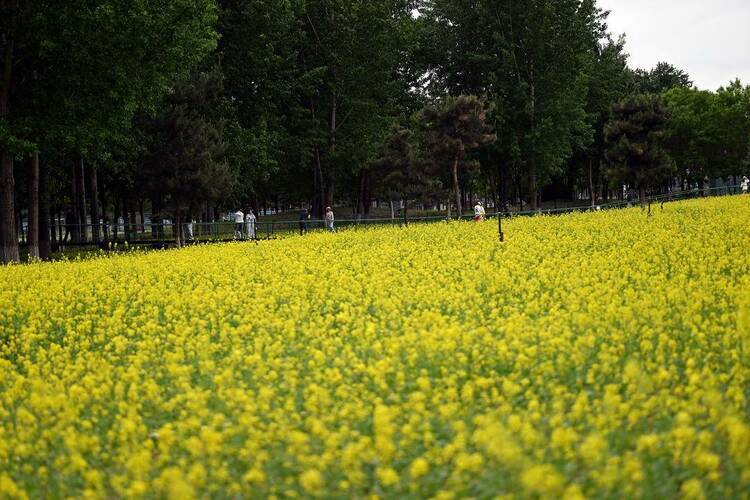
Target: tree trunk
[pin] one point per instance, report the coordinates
(456, 188)
(329, 180)
(51, 215)
(115, 216)
(33, 226)
(178, 228)
(52, 233)
(319, 186)
(642, 195)
(502, 191)
(60, 229)
(533, 186)
(19, 227)
(592, 191)
(328, 202)
(365, 194)
(603, 182)
(81, 200)
(73, 206)
(362, 195)
(8, 235)
(94, 202)
(125, 219)
(532, 163)
(133, 218)
(156, 217)
(44, 213)
(106, 223)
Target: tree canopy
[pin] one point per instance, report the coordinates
(128, 110)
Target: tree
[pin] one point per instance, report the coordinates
(607, 84)
(10, 19)
(693, 134)
(531, 59)
(662, 77)
(635, 143)
(732, 119)
(327, 80)
(265, 94)
(86, 70)
(708, 133)
(401, 171)
(454, 127)
(185, 158)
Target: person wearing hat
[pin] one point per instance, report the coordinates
(479, 212)
(329, 220)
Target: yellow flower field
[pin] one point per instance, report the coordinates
(592, 355)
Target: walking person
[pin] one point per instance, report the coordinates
(745, 185)
(250, 225)
(239, 221)
(304, 215)
(330, 220)
(479, 212)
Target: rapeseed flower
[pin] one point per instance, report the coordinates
(590, 355)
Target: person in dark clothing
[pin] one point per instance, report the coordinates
(303, 216)
(70, 222)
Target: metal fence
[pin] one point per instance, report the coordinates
(156, 234)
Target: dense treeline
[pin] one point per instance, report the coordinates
(113, 109)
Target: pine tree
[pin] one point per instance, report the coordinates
(401, 169)
(452, 128)
(186, 154)
(635, 143)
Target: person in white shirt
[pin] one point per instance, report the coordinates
(239, 220)
(745, 185)
(250, 225)
(329, 220)
(479, 212)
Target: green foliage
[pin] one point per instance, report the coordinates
(312, 88)
(708, 133)
(451, 129)
(733, 110)
(403, 173)
(532, 60)
(185, 157)
(325, 83)
(662, 77)
(635, 142)
(693, 132)
(88, 69)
